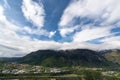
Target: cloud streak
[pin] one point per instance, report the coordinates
(95, 19)
(100, 12)
(14, 43)
(92, 33)
(33, 12)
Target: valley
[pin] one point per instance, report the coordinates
(79, 64)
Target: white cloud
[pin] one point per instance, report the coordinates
(110, 39)
(65, 31)
(106, 11)
(52, 33)
(113, 40)
(92, 33)
(85, 45)
(14, 44)
(92, 9)
(33, 12)
(39, 32)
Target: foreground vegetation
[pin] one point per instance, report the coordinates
(9, 71)
(87, 75)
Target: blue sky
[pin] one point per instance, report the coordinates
(30, 25)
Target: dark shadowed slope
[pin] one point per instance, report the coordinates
(83, 57)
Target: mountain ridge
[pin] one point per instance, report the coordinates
(71, 57)
(75, 57)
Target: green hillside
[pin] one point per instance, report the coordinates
(82, 57)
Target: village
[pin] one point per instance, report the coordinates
(14, 68)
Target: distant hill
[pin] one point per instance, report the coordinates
(113, 56)
(7, 59)
(82, 57)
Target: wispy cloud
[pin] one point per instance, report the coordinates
(14, 43)
(114, 41)
(92, 33)
(100, 12)
(102, 15)
(33, 31)
(95, 9)
(33, 12)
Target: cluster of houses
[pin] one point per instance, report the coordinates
(14, 71)
(111, 73)
(25, 68)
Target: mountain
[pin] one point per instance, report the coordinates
(52, 58)
(113, 56)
